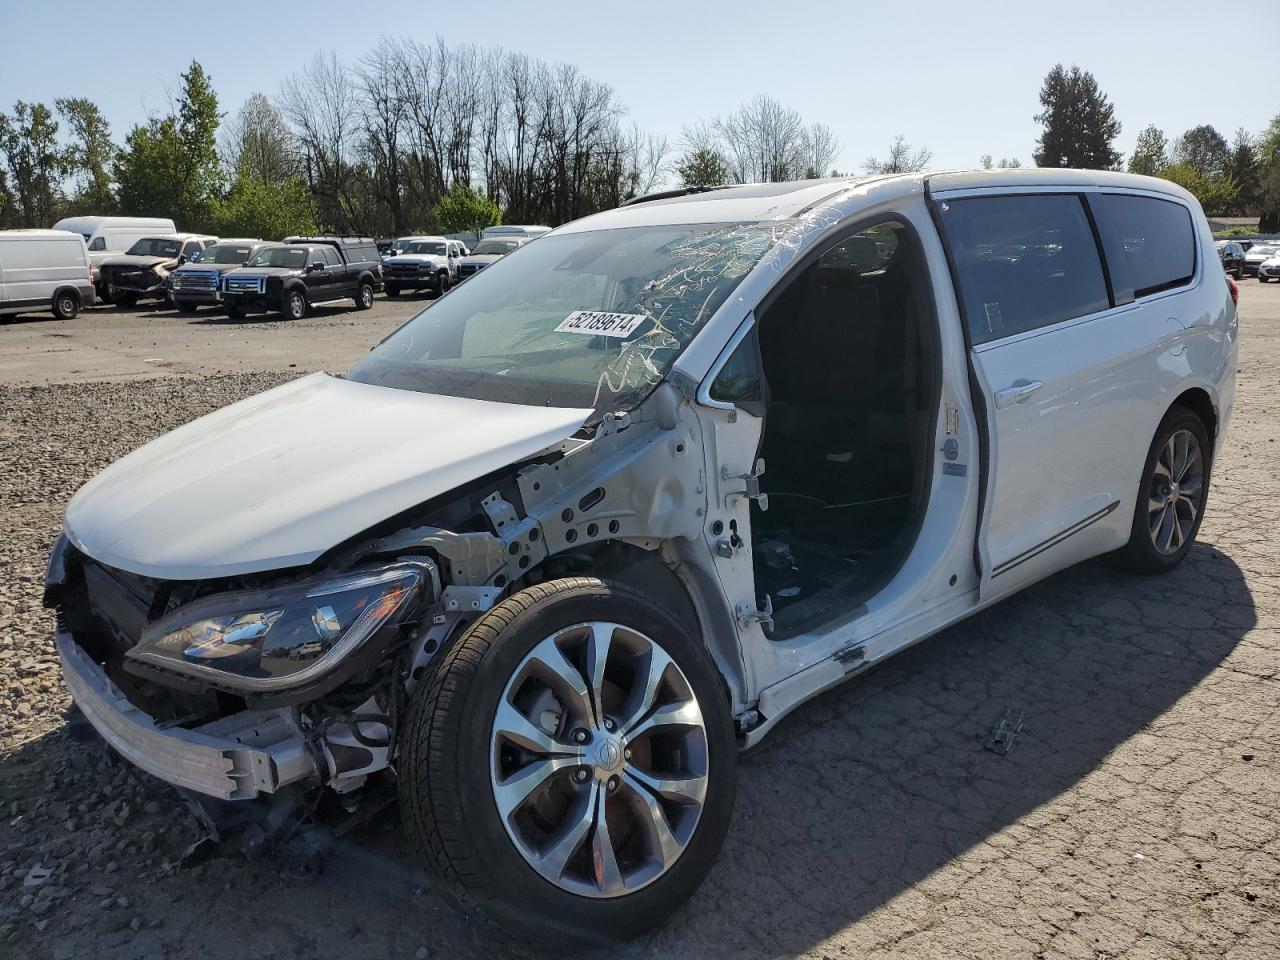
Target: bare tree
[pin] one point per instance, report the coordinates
(321, 103)
(764, 141)
(258, 143)
(901, 158)
(819, 149)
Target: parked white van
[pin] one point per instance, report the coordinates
(106, 236)
(528, 552)
(44, 270)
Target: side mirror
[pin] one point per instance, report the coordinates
(312, 267)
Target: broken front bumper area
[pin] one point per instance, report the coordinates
(235, 758)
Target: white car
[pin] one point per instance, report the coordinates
(423, 263)
(566, 541)
(1257, 254)
(488, 251)
(1269, 269)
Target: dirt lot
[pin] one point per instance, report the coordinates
(1135, 815)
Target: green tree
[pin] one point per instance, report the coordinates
(702, 168)
(36, 164)
(465, 210)
(1150, 153)
(1269, 178)
(1242, 167)
(1204, 149)
(270, 211)
(1080, 125)
(90, 155)
(1216, 194)
(169, 168)
(257, 143)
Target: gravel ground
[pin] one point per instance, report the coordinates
(1134, 816)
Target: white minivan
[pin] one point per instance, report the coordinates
(560, 545)
(107, 236)
(44, 270)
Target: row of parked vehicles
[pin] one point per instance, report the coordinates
(123, 260)
(1250, 258)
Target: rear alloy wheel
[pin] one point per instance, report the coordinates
(570, 765)
(1173, 494)
(66, 305)
(295, 305)
(364, 296)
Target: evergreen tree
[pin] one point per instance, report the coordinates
(1242, 167)
(1080, 126)
(1150, 153)
(1269, 178)
(702, 168)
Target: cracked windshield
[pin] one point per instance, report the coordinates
(580, 320)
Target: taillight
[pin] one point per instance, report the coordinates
(1235, 290)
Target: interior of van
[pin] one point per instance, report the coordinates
(850, 374)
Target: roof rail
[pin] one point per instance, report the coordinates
(669, 194)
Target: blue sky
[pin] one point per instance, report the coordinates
(959, 78)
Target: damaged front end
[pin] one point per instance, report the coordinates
(235, 690)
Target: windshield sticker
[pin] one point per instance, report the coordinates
(600, 324)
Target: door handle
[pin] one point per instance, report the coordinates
(1017, 392)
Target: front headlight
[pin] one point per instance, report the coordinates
(270, 640)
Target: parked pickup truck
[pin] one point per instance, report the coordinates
(291, 277)
(143, 272)
(196, 283)
(426, 263)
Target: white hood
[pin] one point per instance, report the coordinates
(276, 480)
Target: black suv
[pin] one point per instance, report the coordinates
(1231, 254)
(292, 276)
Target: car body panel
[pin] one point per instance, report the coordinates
(324, 457)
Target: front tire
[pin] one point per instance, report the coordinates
(1173, 493)
(570, 766)
(392, 290)
(295, 305)
(442, 285)
(126, 301)
(185, 306)
(236, 311)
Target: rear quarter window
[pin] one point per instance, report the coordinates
(1023, 261)
(1158, 240)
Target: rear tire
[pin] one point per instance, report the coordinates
(1172, 495)
(455, 763)
(364, 296)
(65, 305)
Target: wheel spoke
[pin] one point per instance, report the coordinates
(1186, 518)
(604, 860)
(640, 701)
(1191, 485)
(679, 789)
(598, 644)
(1156, 503)
(563, 676)
(514, 727)
(570, 838)
(1190, 458)
(512, 792)
(1162, 532)
(684, 713)
(663, 844)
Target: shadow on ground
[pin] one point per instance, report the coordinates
(852, 801)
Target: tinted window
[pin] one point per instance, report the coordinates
(331, 257)
(1023, 262)
(739, 379)
(1158, 241)
(99, 243)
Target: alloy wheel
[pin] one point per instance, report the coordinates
(1176, 492)
(599, 760)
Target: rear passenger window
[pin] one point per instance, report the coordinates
(331, 257)
(1023, 262)
(1158, 241)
